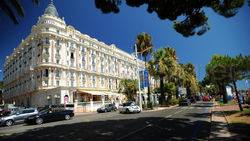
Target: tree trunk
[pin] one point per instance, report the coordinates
(237, 95)
(163, 102)
(176, 91)
(188, 90)
(145, 59)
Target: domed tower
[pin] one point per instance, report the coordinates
(51, 10)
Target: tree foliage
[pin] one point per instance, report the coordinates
(195, 20)
(128, 87)
(6, 7)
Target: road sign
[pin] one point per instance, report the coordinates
(146, 78)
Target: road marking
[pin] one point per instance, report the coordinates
(109, 116)
(133, 132)
(191, 107)
(168, 116)
(87, 120)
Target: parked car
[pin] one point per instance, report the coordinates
(198, 98)
(18, 117)
(107, 108)
(184, 102)
(206, 98)
(49, 115)
(129, 107)
(192, 99)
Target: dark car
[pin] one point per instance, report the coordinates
(198, 98)
(192, 99)
(184, 102)
(107, 108)
(49, 115)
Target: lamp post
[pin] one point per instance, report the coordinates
(140, 102)
(139, 86)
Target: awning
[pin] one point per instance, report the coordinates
(93, 92)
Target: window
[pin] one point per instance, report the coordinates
(57, 98)
(46, 60)
(109, 83)
(57, 51)
(57, 31)
(67, 53)
(83, 77)
(57, 83)
(47, 29)
(102, 82)
(72, 55)
(72, 44)
(47, 50)
(72, 63)
(72, 74)
(47, 40)
(57, 42)
(57, 61)
(46, 72)
(57, 73)
(72, 84)
(93, 81)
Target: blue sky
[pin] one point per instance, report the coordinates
(229, 36)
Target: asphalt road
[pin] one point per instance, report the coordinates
(178, 123)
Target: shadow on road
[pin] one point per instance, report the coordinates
(147, 128)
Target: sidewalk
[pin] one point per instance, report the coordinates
(219, 125)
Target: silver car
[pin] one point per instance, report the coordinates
(18, 117)
(129, 107)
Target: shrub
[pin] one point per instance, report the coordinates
(217, 98)
(150, 105)
(174, 101)
(248, 100)
(143, 106)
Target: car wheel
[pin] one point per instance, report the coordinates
(67, 117)
(120, 112)
(115, 109)
(127, 111)
(9, 122)
(39, 121)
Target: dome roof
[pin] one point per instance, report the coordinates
(51, 10)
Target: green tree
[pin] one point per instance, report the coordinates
(194, 18)
(218, 74)
(128, 87)
(162, 65)
(6, 7)
(144, 44)
(190, 83)
(238, 69)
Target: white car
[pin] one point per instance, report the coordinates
(129, 107)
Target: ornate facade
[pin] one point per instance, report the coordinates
(57, 63)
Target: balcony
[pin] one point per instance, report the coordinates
(58, 46)
(46, 55)
(72, 48)
(58, 56)
(72, 78)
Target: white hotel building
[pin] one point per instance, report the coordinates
(57, 60)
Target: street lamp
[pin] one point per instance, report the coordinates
(140, 102)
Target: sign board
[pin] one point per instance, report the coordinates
(146, 83)
(182, 91)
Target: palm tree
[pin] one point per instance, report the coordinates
(190, 78)
(17, 6)
(162, 64)
(143, 43)
(178, 78)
